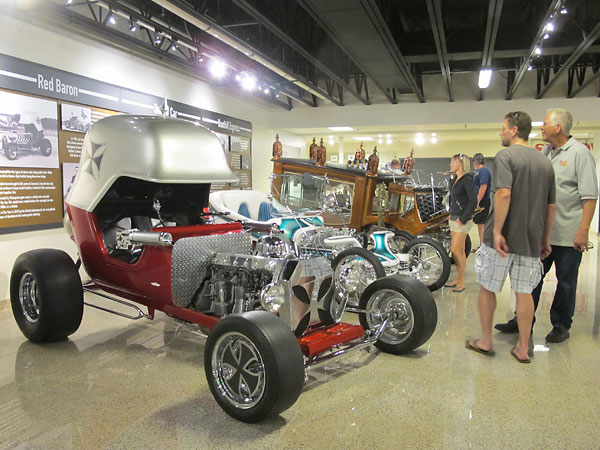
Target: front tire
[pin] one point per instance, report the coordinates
(353, 270)
(411, 310)
(46, 295)
(45, 147)
(11, 151)
(429, 262)
(253, 365)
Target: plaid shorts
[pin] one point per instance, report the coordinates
(491, 268)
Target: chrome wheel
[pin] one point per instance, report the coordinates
(395, 307)
(353, 274)
(426, 263)
(29, 297)
(238, 370)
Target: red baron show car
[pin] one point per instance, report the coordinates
(137, 214)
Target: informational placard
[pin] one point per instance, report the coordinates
(30, 196)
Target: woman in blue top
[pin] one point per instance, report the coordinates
(463, 199)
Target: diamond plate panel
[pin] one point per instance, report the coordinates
(191, 257)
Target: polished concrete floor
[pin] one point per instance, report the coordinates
(123, 384)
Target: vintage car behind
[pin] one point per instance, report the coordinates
(137, 215)
(410, 204)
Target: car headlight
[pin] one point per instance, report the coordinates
(272, 297)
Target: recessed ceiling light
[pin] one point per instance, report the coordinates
(341, 128)
(532, 135)
(537, 51)
(537, 124)
(218, 68)
(363, 138)
(434, 140)
(388, 141)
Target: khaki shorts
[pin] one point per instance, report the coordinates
(455, 227)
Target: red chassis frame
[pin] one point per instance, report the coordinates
(148, 283)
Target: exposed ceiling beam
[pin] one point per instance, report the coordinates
(378, 22)
(491, 30)
(437, 26)
(283, 36)
(526, 61)
(580, 50)
(585, 84)
(85, 25)
(327, 28)
(204, 23)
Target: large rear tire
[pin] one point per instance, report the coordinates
(46, 295)
(429, 262)
(253, 365)
(409, 307)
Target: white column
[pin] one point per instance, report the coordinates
(341, 150)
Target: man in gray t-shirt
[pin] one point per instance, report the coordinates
(517, 232)
(576, 197)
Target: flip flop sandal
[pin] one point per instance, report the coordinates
(522, 361)
(473, 346)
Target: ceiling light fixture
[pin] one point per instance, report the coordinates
(267, 91)
(331, 142)
(434, 140)
(546, 36)
(132, 25)
(363, 138)
(563, 10)
(537, 124)
(112, 19)
(388, 141)
(549, 27)
(248, 82)
(532, 135)
(538, 51)
(380, 141)
(485, 76)
(341, 128)
(218, 68)
(529, 68)
(419, 140)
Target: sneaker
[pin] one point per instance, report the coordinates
(509, 327)
(558, 334)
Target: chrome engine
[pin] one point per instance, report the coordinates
(208, 279)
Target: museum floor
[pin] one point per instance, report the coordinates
(123, 384)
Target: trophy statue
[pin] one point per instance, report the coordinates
(313, 150)
(321, 154)
(277, 148)
(373, 164)
(409, 163)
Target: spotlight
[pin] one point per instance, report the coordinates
(537, 51)
(388, 141)
(485, 76)
(529, 68)
(237, 77)
(434, 140)
(158, 38)
(331, 142)
(248, 82)
(200, 59)
(277, 95)
(218, 68)
(266, 91)
(418, 135)
(549, 27)
(173, 47)
(132, 25)
(380, 141)
(419, 140)
(112, 19)
(546, 36)
(69, 2)
(563, 10)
